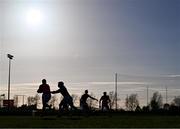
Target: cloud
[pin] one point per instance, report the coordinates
(26, 84)
(119, 83)
(174, 76)
(170, 76)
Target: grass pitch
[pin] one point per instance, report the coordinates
(129, 121)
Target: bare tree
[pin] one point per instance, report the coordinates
(176, 101)
(54, 102)
(112, 97)
(132, 102)
(31, 100)
(156, 101)
(75, 99)
(34, 100)
(38, 101)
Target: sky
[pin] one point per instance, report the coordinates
(85, 42)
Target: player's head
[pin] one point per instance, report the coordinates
(86, 91)
(105, 93)
(44, 81)
(60, 84)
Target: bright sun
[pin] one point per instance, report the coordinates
(34, 17)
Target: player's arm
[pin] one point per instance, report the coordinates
(93, 98)
(100, 101)
(109, 99)
(39, 90)
(55, 92)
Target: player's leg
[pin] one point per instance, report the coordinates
(44, 101)
(70, 102)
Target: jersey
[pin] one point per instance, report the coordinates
(84, 98)
(44, 88)
(63, 91)
(105, 99)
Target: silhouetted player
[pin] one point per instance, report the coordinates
(46, 96)
(105, 101)
(67, 100)
(83, 103)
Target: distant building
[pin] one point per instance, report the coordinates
(20, 100)
(2, 97)
(8, 102)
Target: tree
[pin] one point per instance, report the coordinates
(176, 101)
(166, 106)
(156, 101)
(54, 102)
(31, 100)
(145, 108)
(132, 102)
(112, 97)
(38, 101)
(75, 99)
(138, 109)
(34, 100)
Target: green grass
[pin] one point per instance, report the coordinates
(137, 121)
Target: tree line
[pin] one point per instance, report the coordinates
(131, 102)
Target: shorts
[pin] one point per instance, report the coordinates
(46, 98)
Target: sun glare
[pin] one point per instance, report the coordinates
(34, 17)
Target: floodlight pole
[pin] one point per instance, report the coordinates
(147, 95)
(9, 77)
(166, 96)
(116, 89)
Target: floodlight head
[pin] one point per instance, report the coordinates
(10, 56)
